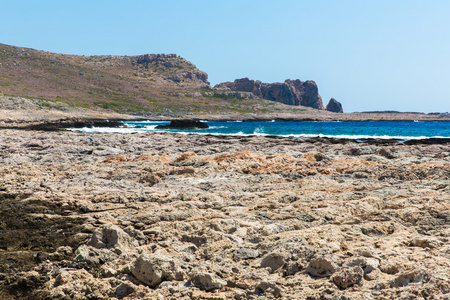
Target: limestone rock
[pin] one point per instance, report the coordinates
(368, 252)
(267, 286)
(391, 267)
(263, 216)
(321, 267)
(366, 263)
(412, 276)
(154, 268)
(245, 253)
(274, 261)
(112, 237)
(93, 255)
(124, 289)
(207, 281)
(348, 277)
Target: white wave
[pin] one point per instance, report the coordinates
(107, 130)
(258, 130)
(144, 122)
(358, 137)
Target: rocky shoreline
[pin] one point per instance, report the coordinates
(172, 216)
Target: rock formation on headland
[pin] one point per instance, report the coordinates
(290, 92)
(191, 75)
(334, 106)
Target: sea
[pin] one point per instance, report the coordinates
(410, 130)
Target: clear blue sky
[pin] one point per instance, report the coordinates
(368, 54)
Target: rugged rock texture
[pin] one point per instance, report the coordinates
(334, 106)
(173, 216)
(173, 61)
(291, 92)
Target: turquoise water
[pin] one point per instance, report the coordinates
(353, 130)
(401, 130)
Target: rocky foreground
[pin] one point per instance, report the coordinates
(171, 216)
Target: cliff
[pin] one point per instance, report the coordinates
(290, 92)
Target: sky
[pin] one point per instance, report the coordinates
(368, 54)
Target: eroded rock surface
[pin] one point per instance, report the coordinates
(291, 92)
(172, 216)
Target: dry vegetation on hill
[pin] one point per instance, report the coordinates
(151, 84)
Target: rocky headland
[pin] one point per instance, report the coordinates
(173, 216)
(290, 92)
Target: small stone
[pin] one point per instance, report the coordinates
(157, 267)
(368, 252)
(386, 153)
(348, 277)
(368, 264)
(266, 286)
(245, 253)
(321, 267)
(407, 277)
(93, 255)
(112, 237)
(207, 281)
(390, 267)
(274, 261)
(124, 289)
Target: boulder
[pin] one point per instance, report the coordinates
(268, 287)
(321, 267)
(348, 277)
(154, 268)
(410, 277)
(274, 261)
(245, 253)
(112, 237)
(334, 106)
(207, 281)
(93, 256)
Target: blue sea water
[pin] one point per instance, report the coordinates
(352, 130)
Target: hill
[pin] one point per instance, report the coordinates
(147, 85)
